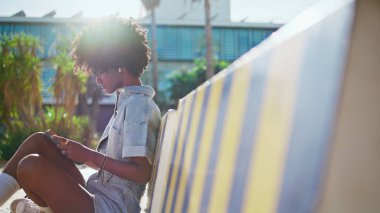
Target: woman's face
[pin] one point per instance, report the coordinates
(110, 81)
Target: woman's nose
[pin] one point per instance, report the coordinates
(98, 80)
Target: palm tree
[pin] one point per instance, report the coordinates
(209, 45)
(71, 90)
(20, 82)
(150, 5)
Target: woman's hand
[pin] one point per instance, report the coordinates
(73, 150)
(137, 170)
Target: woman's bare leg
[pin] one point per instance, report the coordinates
(38, 144)
(53, 185)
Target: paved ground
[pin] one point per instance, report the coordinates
(86, 172)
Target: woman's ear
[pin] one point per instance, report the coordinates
(122, 69)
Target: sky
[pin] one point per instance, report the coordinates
(276, 11)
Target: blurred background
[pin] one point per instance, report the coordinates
(191, 40)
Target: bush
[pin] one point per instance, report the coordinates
(10, 142)
(56, 118)
(20, 81)
(21, 110)
(184, 81)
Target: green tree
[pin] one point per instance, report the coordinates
(21, 109)
(151, 5)
(20, 82)
(209, 41)
(184, 81)
(67, 86)
(72, 92)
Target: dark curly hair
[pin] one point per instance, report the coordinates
(110, 44)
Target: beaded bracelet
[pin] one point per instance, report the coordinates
(102, 165)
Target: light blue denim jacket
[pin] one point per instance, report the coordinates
(131, 132)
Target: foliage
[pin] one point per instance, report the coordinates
(182, 82)
(21, 111)
(67, 89)
(57, 119)
(10, 142)
(73, 90)
(20, 83)
(67, 85)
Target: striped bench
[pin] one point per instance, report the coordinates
(292, 126)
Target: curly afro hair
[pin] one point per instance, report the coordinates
(110, 44)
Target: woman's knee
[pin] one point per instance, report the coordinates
(37, 136)
(29, 167)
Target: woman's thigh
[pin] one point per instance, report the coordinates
(54, 185)
(39, 144)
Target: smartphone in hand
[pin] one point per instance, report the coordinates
(49, 135)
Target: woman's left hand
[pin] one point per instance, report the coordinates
(73, 150)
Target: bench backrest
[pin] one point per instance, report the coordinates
(292, 126)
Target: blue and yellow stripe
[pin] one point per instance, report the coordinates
(255, 137)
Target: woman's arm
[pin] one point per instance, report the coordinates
(92, 165)
(138, 170)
